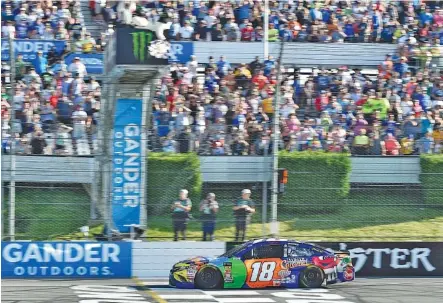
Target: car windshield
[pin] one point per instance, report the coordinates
(235, 250)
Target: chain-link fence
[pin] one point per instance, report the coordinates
(44, 211)
(321, 199)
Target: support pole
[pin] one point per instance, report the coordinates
(264, 214)
(266, 31)
(275, 144)
(12, 149)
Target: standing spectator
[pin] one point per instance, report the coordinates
(40, 63)
(208, 208)
(79, 118)
(180, 214)
(243, 209)
(77, 67)
(186, 32)
(38, 144)
(126, 15)
(361, 143)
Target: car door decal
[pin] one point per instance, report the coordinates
(262, 272)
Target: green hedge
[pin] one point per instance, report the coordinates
(318, 182)
(431, 179)
(167, 174)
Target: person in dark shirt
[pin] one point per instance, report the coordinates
(180, 214)
(208, 208)
(184, 139)
(216, 33)
(38, 144)
(243, 209)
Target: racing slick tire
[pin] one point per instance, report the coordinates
(209, 278)
(311, 277)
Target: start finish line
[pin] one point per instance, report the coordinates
(125, 294)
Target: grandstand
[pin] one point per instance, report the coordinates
(361, 81)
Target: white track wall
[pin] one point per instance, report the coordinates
(155, 259)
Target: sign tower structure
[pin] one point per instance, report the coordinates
(134, 63)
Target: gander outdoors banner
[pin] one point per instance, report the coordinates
(127, 164)
(29, 48)
(66, 260)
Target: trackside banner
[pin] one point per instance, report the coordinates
(29, 48)
(127, 164)
(390, 258)
(66, 260)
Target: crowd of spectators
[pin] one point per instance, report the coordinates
(291, 20)
(52, 107)
(229, 111)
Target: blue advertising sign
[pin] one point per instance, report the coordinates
(29, 48)
(66, 260)
(127, 164)
(181, 51)
(93, 62)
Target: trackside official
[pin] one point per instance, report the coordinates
(180, 214)
(243, 209)
(208, 208)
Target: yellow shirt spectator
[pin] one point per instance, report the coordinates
(267, 105)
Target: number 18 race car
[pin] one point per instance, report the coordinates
(265, 263)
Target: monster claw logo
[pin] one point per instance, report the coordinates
(144, 47)
(140, 43)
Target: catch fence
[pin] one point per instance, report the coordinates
(326, 197)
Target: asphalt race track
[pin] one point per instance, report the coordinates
(382, 290)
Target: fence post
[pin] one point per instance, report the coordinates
(12, 148)
(264, 215)
(276, 142)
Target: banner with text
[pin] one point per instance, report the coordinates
(127, 164)
(389, 258)
(66, 260)
(29, 48)
(181, 52)
(93, 62)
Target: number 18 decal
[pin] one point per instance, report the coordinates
(263, 271)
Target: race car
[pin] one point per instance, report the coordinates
(265, 263)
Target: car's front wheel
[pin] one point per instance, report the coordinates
(311, 277)
(209, 278)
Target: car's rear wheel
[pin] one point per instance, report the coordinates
(311, 277)
(209, 278)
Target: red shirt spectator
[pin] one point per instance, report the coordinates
(247, 33)
(321, 101)
(260, 80)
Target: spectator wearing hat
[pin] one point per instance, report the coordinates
(77, 67)
(208, 209)
(243, 209)
(180, 214)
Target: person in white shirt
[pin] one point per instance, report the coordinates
(22, 16)
(186, 31)
(77, 67)
(79, 117)
(8, 29)
(126, 15)
(175, 29)
(192, 66)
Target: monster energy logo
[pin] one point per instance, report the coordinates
(140, 43)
